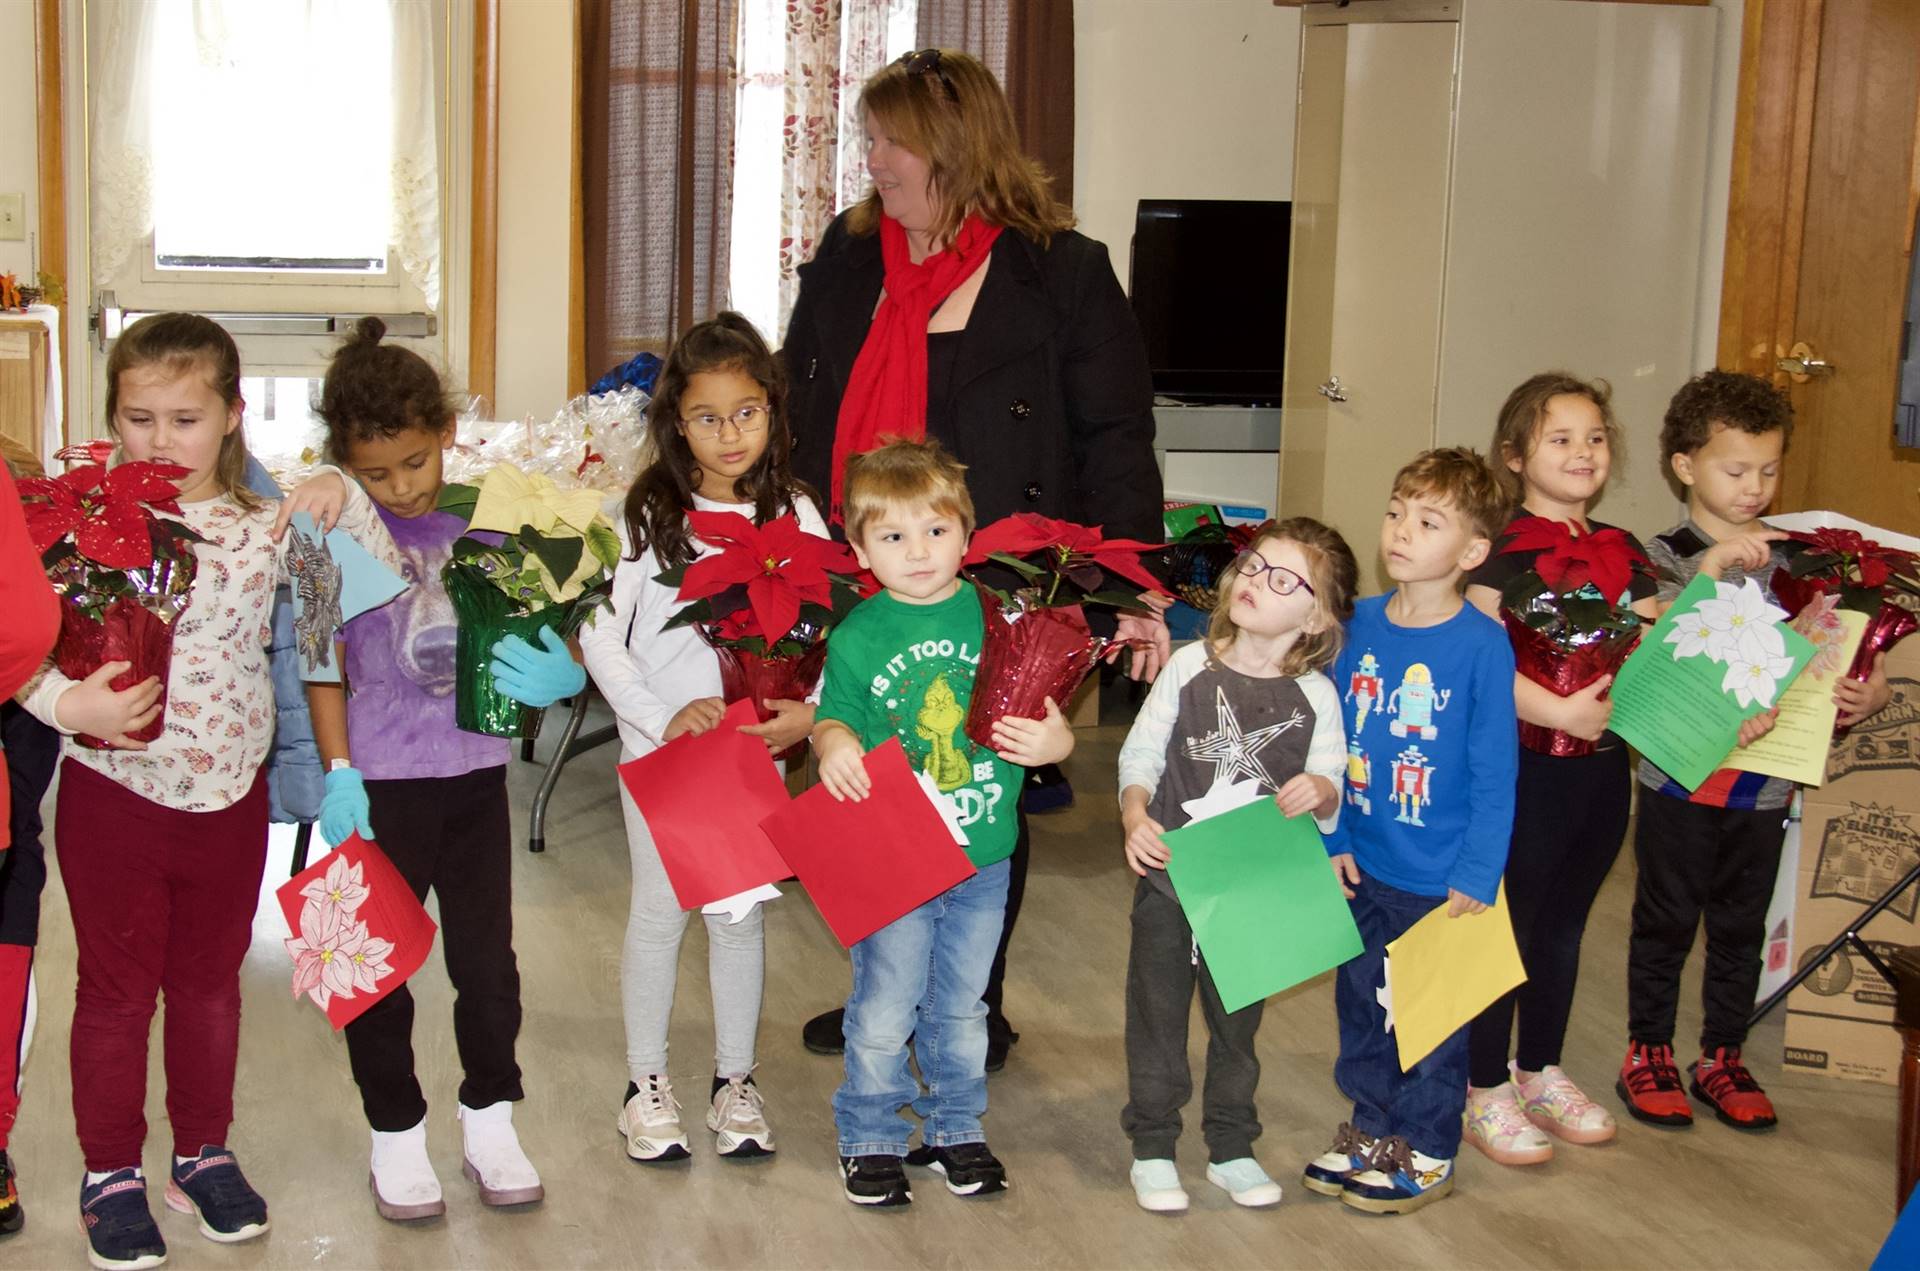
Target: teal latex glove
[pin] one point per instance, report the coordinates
(537, 677)
(344, 809)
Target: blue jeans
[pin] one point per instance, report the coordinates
(1422, 1106)
(922, 977)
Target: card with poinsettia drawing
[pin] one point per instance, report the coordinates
(358, 930)
(1722, 654)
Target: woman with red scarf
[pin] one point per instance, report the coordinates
(957, 302)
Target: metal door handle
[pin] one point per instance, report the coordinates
(1331, 390)
(1802, 365)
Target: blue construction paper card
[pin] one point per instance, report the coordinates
(334, 580)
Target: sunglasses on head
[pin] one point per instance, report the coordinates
(927, 62)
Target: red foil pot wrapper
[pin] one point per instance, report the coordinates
(759, 677)
(1030, 654)
(126, 631)
(1563, 671)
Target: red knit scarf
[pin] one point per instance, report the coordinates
(887, 393)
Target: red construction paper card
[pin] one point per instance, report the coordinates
(359, 931)
(867, 863)
(703, 799)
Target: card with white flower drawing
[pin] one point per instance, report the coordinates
(1721, 654)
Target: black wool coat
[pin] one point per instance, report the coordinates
(1052, 400)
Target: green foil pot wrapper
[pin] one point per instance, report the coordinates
(486, 615)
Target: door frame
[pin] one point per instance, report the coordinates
(52, 22)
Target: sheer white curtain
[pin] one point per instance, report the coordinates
(799, 153)
(302, 129)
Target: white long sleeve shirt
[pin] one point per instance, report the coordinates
(646, 673)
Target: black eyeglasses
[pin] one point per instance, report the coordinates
(927, 62)
(1282, 580)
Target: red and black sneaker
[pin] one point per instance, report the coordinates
(1723, 1083)
(1650, 1086)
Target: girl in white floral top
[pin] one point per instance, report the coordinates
(161, 844)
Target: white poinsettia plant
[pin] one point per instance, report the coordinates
(1738, 628)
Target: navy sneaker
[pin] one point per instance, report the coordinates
(12, 1216)
(1351, 1153)
(969, 1168)
(1398, 1180)
(121, 1234)
(212, 1186)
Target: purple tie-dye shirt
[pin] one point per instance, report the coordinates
(399, 664)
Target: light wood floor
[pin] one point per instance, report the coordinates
(1815, 1193)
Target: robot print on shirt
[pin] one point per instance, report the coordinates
(1363, 690)
(1412, 784)
(1418, 702)
(1234, 753)
(1359, 777)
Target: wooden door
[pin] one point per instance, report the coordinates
(1372, 161)
(1820, 240)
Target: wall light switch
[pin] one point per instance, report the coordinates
(13, 217)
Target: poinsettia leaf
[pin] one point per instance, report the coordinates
(1027, 569)
(1521, 590)
(1113, 599)
(1812, 563)
(604, 543)
(1085, 577)
(459, 499)
(49, 522)
(561, 555)
(117, 537)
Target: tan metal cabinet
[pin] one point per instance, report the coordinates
(1484, 189)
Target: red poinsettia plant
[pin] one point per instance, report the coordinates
(1566, 615)
(765, 602)
(1038, 644)
(1848, 570)
(123, 574)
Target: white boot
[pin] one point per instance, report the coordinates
(403, 1182)
(494, 1159)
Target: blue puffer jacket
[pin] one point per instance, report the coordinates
(295, 782)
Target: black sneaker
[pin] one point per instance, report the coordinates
(875, 1180)
(822, 1034)
(121, 1233)
(969, 1168)
(1000, 1039)
(12, 1216)
(212, 1186)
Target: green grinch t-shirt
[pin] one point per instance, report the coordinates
(902, 670)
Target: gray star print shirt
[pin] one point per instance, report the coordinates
(1205, 727)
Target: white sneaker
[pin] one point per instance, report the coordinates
(738, 1119)
(650, 1121)
(402, 1180)
(1245, 1182)
(1156, 1185)
(1496, 1124)
(494, 1158)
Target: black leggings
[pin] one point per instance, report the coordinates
(1569, 816)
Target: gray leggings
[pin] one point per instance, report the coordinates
(650, 962)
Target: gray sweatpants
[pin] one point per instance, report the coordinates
(1161, 971)
(650, 963)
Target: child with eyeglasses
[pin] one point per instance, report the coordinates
(719, 443)
(1250, 704)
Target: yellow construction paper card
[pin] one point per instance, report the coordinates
(1444, 971)
(1797, 747)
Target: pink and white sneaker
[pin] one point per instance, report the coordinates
(1496, 1124)
(1551, 1101)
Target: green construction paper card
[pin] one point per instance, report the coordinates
(1262, 900)
(1721, 654)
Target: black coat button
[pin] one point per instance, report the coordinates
(1032, 491)
(1020, 410)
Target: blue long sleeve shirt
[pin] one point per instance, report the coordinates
(1432, 751)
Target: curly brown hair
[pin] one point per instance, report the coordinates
(1723, 399)
(379, 390)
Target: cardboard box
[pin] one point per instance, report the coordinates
(1859, 836)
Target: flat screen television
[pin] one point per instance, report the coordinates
(1209, 288)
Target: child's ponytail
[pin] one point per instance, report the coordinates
(379, 390)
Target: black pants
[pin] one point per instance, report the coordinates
(450, 835)
(32, 750)
(1016, 892)
(1569, 817)
(1698, 861)
(1161, 972)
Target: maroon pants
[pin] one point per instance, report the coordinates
(161, 900)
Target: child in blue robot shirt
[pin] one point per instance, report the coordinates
(1432, 757)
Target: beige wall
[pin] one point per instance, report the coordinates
(1179, 99)
(536, 105)
(18, 135)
